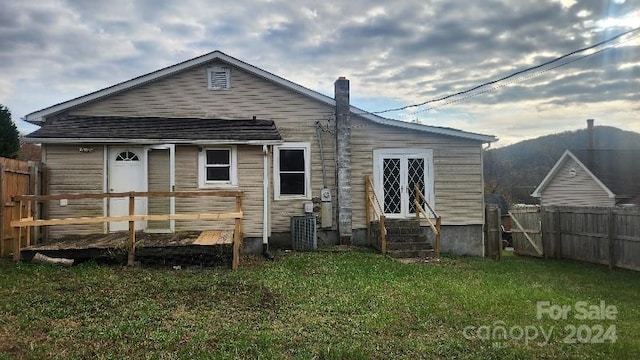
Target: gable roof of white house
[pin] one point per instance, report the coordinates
(617, 172)
(568, 155)
(39, 116)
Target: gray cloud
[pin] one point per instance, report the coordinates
(401, 51)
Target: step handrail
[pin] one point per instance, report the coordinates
(371, 202)
(437, 227)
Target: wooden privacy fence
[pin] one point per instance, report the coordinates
(24, 221)
(608, 236)
(526, 231)
(492, 232)
(16, 178)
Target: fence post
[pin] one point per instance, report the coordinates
(2, 210)
(17, 234)
(611, 236)
(33, 183)
(543, 226)
(557, 233)
(132, 231)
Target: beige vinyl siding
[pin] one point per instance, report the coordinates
(186, 95)
(74, 172)
(158, 180)
(457, 169)
(580, 190)
(249, 181)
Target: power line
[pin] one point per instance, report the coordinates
(511, 75)
(538, 73)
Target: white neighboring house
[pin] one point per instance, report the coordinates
(604, 178)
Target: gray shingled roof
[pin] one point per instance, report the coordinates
(82, 127)
(619, 170)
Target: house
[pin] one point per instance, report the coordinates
(215, 122)
(604, 178)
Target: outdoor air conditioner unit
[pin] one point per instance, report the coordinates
(304, 235)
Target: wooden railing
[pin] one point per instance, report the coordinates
(27, 222)
(418, 201)
(373, 212)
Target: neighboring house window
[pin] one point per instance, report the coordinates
(292, 171)
(219, 78)
(218, 166)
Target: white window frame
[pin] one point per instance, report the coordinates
(216, 69)
(202, 168)
(306, 147)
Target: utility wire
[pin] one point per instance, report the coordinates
(511, 75)
(538, 73)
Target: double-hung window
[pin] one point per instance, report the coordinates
(218, 166)
(292, 171)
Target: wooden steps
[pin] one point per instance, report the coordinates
(405, 239)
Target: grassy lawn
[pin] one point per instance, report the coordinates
(327, 305)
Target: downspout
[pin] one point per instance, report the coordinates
(265, 203)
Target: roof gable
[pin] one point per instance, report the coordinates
(616, 171)
(619, 170)
(39, 116)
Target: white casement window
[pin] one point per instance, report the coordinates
(219, 78)
(218, 166)
(292, 171)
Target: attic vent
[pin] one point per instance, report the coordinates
(219, 78)
(303, 233)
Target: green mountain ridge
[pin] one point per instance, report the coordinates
(514, 171)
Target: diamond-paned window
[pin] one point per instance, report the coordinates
(391, 186)
(415, 176)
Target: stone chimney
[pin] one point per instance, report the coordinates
(343, 159)
(590, 135)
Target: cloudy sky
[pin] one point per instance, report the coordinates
(395, 53)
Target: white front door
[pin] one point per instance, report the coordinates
(126, 173)
(396, 173)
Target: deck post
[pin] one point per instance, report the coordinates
(416, 201)
(28, 229)
(237, 235)
(132, 232)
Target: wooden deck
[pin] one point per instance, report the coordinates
(203, 248)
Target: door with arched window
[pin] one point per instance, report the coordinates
(126, 172)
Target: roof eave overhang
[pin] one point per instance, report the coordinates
(424, 128)
(38, 117)
(149, 141)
